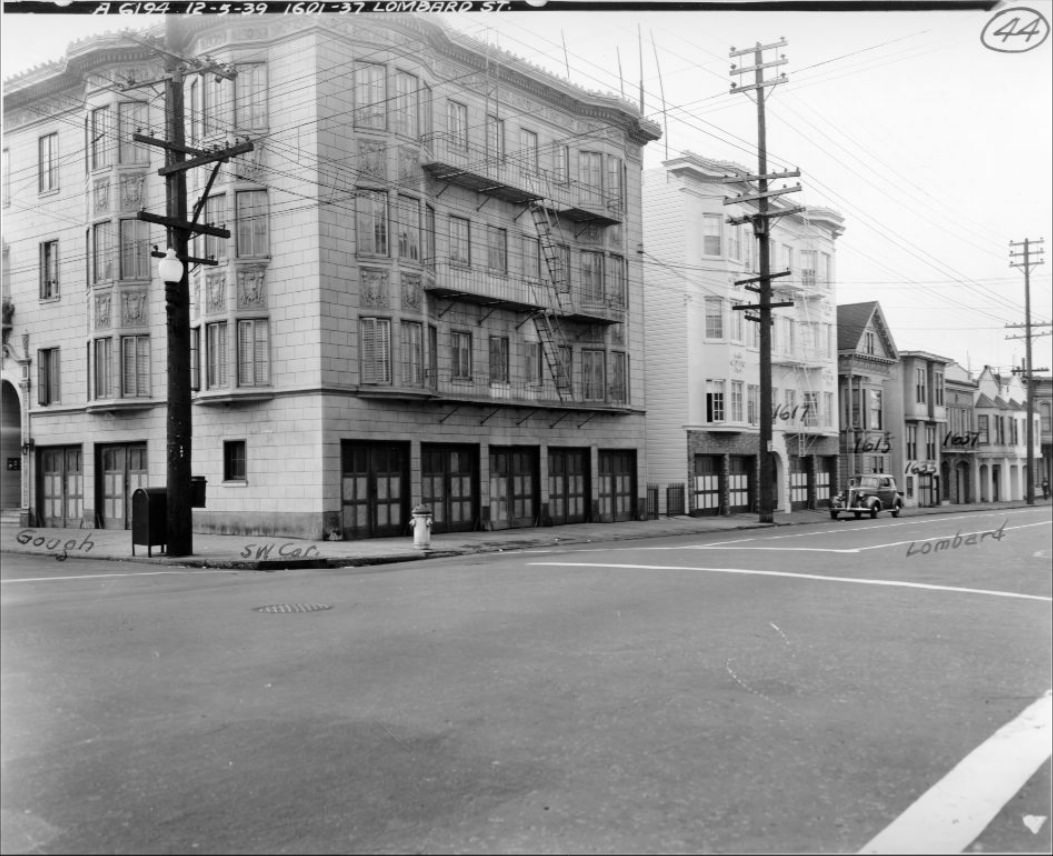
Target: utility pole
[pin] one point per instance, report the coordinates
(761, 312)
(179, 521)
(1028, 370)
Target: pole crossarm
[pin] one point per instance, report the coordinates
(157, 254)
(735, 88)
(183, 225)
(167, 145)
(751, 197)
(763, 278)
(734, 52)
(222, 155)
(772, 176)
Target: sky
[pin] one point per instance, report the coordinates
(936, 149)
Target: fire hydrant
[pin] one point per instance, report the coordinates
(421, 524)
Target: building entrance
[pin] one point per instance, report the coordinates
(617, 484)
(374, 489)
(122, 471)
(450, 486)
(61, 487)
(568, 485)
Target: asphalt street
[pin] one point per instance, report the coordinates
(825, 689)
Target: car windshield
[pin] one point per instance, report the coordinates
(869, 481)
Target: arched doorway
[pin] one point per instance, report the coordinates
(10, 447)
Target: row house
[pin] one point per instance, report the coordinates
(1042, 390)
(703, 356)
(1001, 422)
(431, 294)
(921, 412)
(960, 445)
(869, 391)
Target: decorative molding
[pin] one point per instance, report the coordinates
(103, 310)
(618, 334)
(100, 190)
(409, 163)
(251, 292)
(373, 156)
(412, 291)
(133, 308)
(131, 191)
(216, 291)
(373, 293)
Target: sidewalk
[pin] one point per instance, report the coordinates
(269, 553)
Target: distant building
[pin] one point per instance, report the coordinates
(960, 444)
(432, 293)
(1043, 391)
(703, 357)
(869, 391)
(1001, 419)
(918, 459)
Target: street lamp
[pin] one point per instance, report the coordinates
(179, 514)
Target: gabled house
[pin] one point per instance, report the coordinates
(1001, 416)
(960, 444)
(868, 390)
(917, 459)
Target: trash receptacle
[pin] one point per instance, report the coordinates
(197, 491)
(150, 518)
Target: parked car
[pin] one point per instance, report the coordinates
(868, 495)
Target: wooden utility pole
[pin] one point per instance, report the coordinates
(179, 521)
(1028, 370)
(761, 312)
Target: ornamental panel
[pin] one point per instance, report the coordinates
(251, 293)
(374, 289)
(216, 292)
(373, 156)
(103, 309)
(412, 292)
(131, 191)
(101, 194)
(133, 308)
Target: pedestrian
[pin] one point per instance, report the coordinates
(1045, 488)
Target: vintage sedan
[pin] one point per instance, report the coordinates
(868, 495)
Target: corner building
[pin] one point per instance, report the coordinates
(431, 293)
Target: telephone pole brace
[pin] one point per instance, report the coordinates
(177, 294)
(761, 312)
(1027, 371)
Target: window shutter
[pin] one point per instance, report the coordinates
(246, 375)
(142, 365)
(261, 352)
(42, 377)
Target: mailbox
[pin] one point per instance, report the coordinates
(197, 491)
(150, 518)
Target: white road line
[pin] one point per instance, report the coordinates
(722, 545)
(949, 816)
(749, 572)
(103, 576)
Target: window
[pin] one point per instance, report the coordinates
(212, 247)
(735, 242)
(752, 403)
(811, 409)
(135, 249)
(590, 174)
(825, 269)
(531, 258)
(808, 267)
(429, 236)
(615, 184)
(216, 376)
(790, 342)
(216, 104)
(619, 390)
(532, 367)
(49, 283)
(714, 318)
(919, 386)
(375, 349)
(254, 353)
(714, 401)
(101, 137)
(461, 355)
(195, 358)
(497, 249)
(562, 273)
(135, 366)
(564, 369)
(133, 118)
(103, 367)
(48, 376)
(528, 151)
(102, 252)
(937, 389)
(407, 105)
(251, 216)
(561, 164)
(495, 138)
(791, 403)
(409, 229)
(1044, 410)
(617, 284)
(498, 359)
(235, 465)
(828, 338)
(983, 425)
(712, 224)
(930, 442)
(736, 400)
(370, 96)
(912, 442)
(752, 334)
(427, 111)
(412, 353)
(1000, 430)
(196, 110)
(372, 217)
(869, 345)
(593, 371)
(875, 422)
(592, 277)
(828, 410)
(47, 163)
(250, 96)
(1014, 426)
(787, 252)
(460, 241)
(457, 124)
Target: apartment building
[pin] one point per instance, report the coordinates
(1042, 387)
(922, 413)
(961, 440)
(1001, 419)
(703, 357)
(431, 293)
(869, 393)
